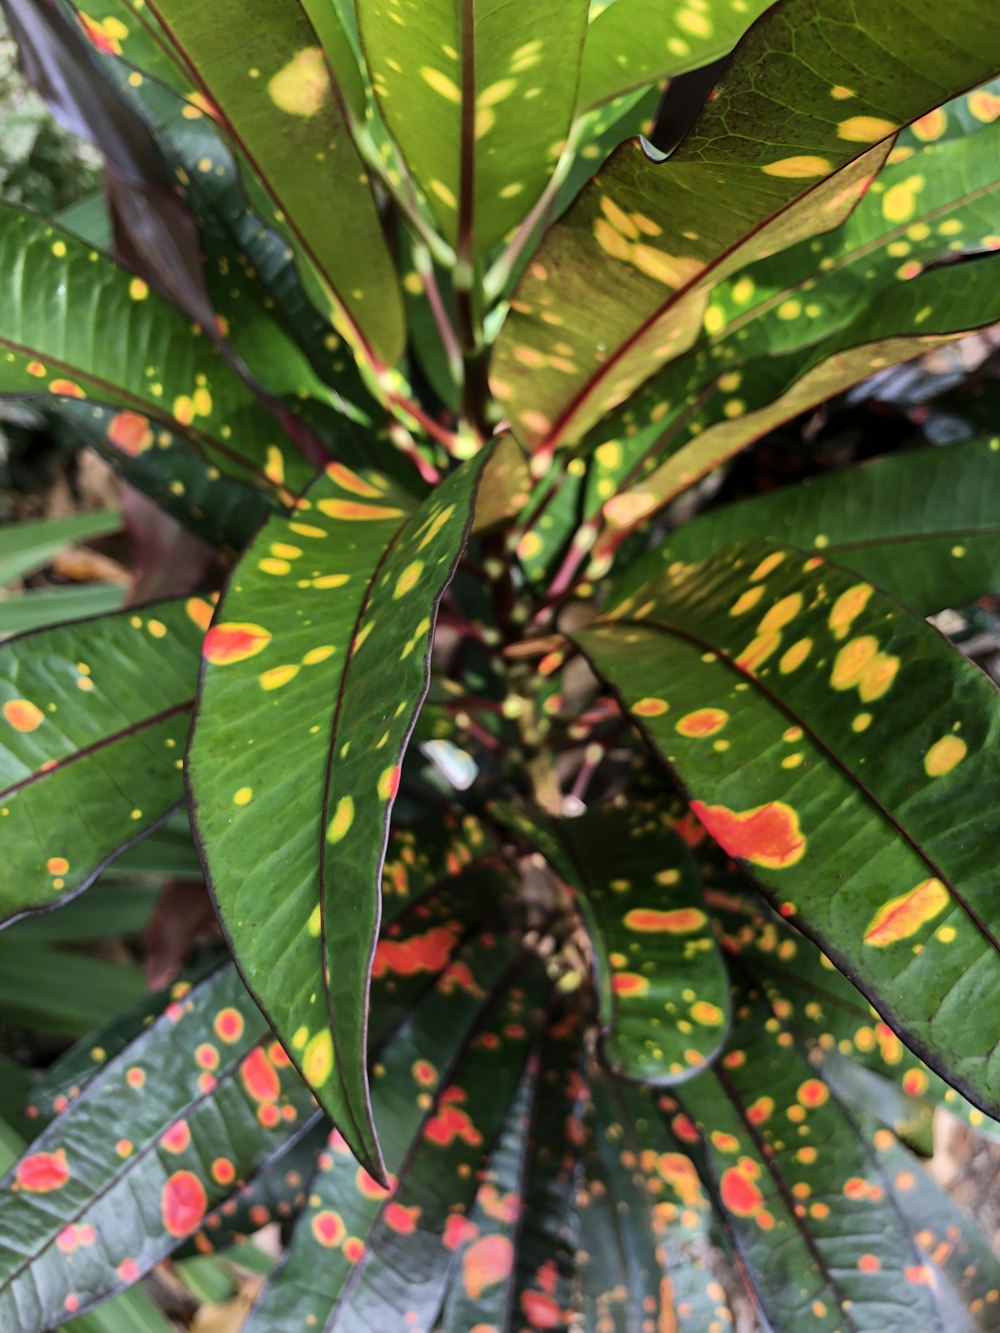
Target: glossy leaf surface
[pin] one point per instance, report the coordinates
(93, 721)
(806, 1203)
(921, 525)
(627, 269)
(816, 676)
(280, 103)
(662, 988)
(315, 669)
(441, 1090)
(465, 88)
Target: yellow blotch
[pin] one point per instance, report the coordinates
(202, 400)
(284, 551)
(743, 291)
(944, 755)
(861, 723)
(698, 25)
(847, 608)
(441, 84)
(781, 613)
(496, 92)
(274, 470)
(243, 797)
(930, 127)
(434, 526)
(899, 203)
(446, 196)
(902, 917)
(317, 1062)
(864, 129)
(795, 656)
(138, 290)
(409, 579)
(315, 923)
(769, 563)
(485, 120)
(715, 320)
(840, 92)
(609, 455)
(611, 241)
(529, 546)
(278, 676)
(789, 309)
(860, 664)
(757, 652)
(317, 655)
(184, 409)
(619, 219)
(671, 270)
(300, 88)
(342, 820)
(746, 601)
(798, 168)
(331, 580)
(59, 249)
(708, 1014)
(300, 1037)
(270, 565)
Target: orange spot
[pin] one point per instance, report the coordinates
(183, 1203)
(487, 1261)
(36, 369)
(650, 707)
(350, 481)
(235, 642)
(22, 714)
(229, 1025)
(902, 917)
(457, 1230)
(328, 1228)
(57, 865)
(424, 1073)
(259, 1076)
(813, 1092)
(353, 1249)
(919, 1276)
(367, 1186)
(760, 1110)
(206, 1055)
(199, 611)
(350, 511)
(914, 1082)
(703, 722)
(869, 1263)
(135, 1077)
(540, 1310)
(683, 1127)
(681, 921)
(223, 1171)
(66, 389)
(768, 835)
(131, 433)
(176, 1138)
(629, 983)
(128, 1270)
(739, 1193)
(42, 1172)
(420, 953)
(931, 126)
(402, 1219)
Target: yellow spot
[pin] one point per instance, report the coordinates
(798, 168)
(840, 93)
(331, 580)
(300, 1037)
(300, 88)
(57, 865)
(769, 563)
(441, 84)
(746, 601)
(795, 656)
(184, 409)
(864, 129)
(671, 270)
(609, 455)
(847, 608)
(278, 676)
(156, 628)
(899, 203)
(444, 194)
(243, 797)
(496, 92)
(944, 755)
(708, 1014)
(715, 320)
(274, 471)
(861, 723)
(702, 722)
(269, 565)
(59, 249)
(284, 551)
(317, 1062)
(202, 400)
(860, 664)
(611, 241)
(619, 219)
(409, 579)
(650, 707)
(317, 655)
(342, 820)
(781, 613)
(138, 290)
(315, 923)
(698, 25)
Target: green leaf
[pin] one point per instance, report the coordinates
(25, 547)
(202, 1098)
(93, 719)
(285, 113)
(156, 369)
(851, 769)
(441, 1091)
(315, 669)
(39, 607)
(644, 1220)
(632, 43)
(464, 89)
(921, 525)
(806, 1202)
(58, 993)
(622, 270)
(662, 989)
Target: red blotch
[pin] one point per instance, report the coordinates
(902, 917)
(487, 1261)
(452, 1122)
(72, 1303)
(229, 1025)
(768, 835)
(679, 922)
(43, 1172)
(328, 1228)
(268, 1115)
(367, 1186)
(920, 1276)
(183, 1203)
(259, 1076)
(869, 1263)
(131, 433)
(629, 984)
(683, 1127)
(420, 953)
(457, 1230)
(135, 1077)
(128, 1270)
(22, 714)
(206, 1056)
(739, 1193)
(235, 642)
(66, 389)
(36, 369)
(353, 1249)
(540, 1310)
(459, 977)
(223, 1171)
(401, 1219)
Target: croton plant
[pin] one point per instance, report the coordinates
(609, 893)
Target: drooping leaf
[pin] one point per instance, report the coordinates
(280, 104)
(816, 678)
(662, 989)
(921, 525)
(464, 89)
(644, 1220)
(802, 1195)
(628, 270)
(315, 669)
(93, 719)
(202, 1099)
(25, 547)
(632, 43)
(38, 607)
(441, 1090)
